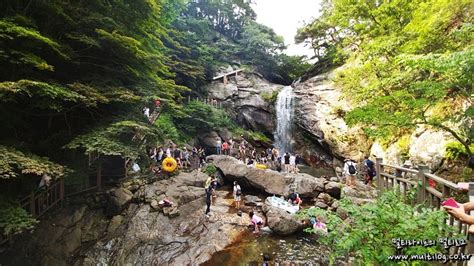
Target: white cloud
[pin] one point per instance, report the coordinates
(285, 17)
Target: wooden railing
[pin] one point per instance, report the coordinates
(432, 191)
(38, 203)
(224, 76)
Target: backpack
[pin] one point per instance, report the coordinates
(352, 169)
(238, 192)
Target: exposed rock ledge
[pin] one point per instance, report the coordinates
(139, 234)
(273, 182)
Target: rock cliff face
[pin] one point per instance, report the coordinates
(424, 146)
(321, 135)
(321, 130)
(247, 97)
(318, 115)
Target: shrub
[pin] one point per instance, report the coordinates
(455, 150)
(210, 169)
(270, 97)
(252, 135)
(14, 219)
(168, 128)
(369, 235)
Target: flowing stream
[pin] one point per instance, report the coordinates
(284, 114)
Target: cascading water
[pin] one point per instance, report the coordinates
(284, 113)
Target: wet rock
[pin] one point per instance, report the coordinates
(118, 200)
(280, 221)
(334, 179)
(334, 189)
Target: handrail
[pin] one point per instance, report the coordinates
(413, 171)
(427, 194)
(443, 181)
(227, 74)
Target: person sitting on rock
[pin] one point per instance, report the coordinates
(257, 221)
(295, 199)
(318, 225)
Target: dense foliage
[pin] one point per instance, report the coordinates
(75, 77)
(408, 63)
(369, 232)
(198, 119)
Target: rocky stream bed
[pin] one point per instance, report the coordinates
(125, 225)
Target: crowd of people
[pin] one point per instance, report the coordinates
(186, 158)
(270, 157)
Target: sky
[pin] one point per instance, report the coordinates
(285, 17)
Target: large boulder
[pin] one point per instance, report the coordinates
(280, 221)
(359, 194)
(334, 189)
(117, 200)
(269, 181)
(195, 178)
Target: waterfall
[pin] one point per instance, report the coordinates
(284, 113)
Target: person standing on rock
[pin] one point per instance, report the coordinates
(237, 192)
(209, 194)
(225, 148)
(292, 163)
(370, 167)
(350, 171)
(286, 160)
(218, 145)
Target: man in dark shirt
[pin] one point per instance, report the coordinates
(287, 162)
(370, 168)
(209, 193)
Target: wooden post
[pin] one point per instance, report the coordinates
(99, 175)
(422, 169)
(61, 190)
(32, 204)
(379, 169)
(446, 191)
(225, 80)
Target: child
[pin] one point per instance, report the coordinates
(318, 225)
(257, 222)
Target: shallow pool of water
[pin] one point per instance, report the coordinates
(317, 172)
(300, 249)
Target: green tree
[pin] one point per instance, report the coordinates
(410, 63)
